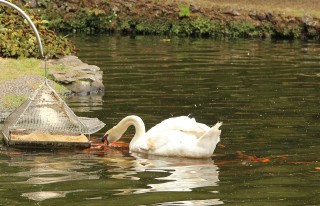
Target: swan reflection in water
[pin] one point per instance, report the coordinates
(184, 174)
(154, 174)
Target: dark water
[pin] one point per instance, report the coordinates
(266, 93)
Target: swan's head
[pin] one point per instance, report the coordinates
(112, 135)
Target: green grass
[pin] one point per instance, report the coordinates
(14, 68)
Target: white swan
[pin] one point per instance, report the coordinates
(177, 136)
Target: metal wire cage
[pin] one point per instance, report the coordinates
(45, 113)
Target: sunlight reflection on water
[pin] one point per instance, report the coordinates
(44, 195)
(192, 203)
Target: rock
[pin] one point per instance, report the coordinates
(80, 87)
(195, 8)
(75, 1)
(308, 20)
(115, 9)
(67, 61)
(87, 78)
(258, 16)
(32, 3)
(71, 7)
(79, 77)
(232, 12)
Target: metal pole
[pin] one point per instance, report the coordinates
(29, 21)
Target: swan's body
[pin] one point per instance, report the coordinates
(177, 136)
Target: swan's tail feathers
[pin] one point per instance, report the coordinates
(213, 133)
(217, 125)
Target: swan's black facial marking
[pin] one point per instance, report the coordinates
(104, 139)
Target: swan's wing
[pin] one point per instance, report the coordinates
(182, 124)
(171, 142)
(149, 142)
(157, 141)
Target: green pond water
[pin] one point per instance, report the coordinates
(266, 92)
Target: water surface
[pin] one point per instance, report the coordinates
(266, 92)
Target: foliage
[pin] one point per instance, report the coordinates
(289, 30)
(240, 28)
(91, 19)
(266, 30)
(202, 26)
(158, 26)
(84, 19)
(182, 28)
(184, 10)
(125, 26)
(18, 39)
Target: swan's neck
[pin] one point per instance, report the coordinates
(138, 125)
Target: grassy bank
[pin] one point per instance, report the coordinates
(196, 18)
(296, 8)
(14, 69)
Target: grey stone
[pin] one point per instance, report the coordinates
(308, 20)
(232, 12)
(195, 8)
(80, 78)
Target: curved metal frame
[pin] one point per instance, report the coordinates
(29, 21)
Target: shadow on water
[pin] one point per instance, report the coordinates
(266, 92)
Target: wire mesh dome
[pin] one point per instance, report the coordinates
(44, 118)
(45, 112)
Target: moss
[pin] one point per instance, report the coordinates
(289, 30)
(240, 28)
(156, 27)
(266, 30)
(12, 101)
(60, 89)
(182, 28)
(203, 27)
(184, 10)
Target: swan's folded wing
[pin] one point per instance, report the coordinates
(182, 124)
(152, 141)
